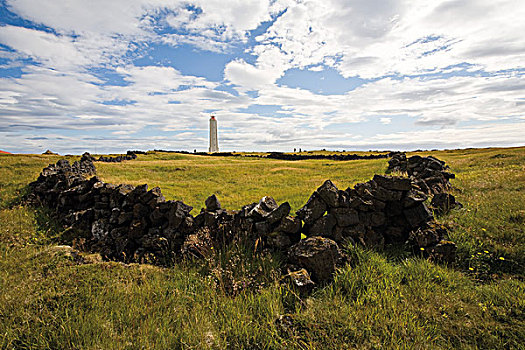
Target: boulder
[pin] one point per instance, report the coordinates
(318, 255)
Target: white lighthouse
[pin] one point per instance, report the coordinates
(214, 142)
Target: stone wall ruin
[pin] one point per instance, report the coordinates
(136, 224)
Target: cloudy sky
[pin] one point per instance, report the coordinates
(113, 75)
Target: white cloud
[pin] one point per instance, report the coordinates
(248, 76)
(366, 38)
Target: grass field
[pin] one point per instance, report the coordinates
(48, 300)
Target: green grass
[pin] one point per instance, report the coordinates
(49, 300)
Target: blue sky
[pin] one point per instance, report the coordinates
(108, 76)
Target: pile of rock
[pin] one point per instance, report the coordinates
(383, 210)
(428, 173)
(122, 222)
(129, 223)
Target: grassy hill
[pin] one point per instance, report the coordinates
(52, 298)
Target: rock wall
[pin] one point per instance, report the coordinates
(130, 155)
(129, 223)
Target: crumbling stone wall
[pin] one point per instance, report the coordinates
(129, 223)
(130, 155)
(430, 175)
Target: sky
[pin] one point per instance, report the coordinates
(109, 76)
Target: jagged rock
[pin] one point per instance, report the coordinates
(322, 226)
(279, 240)
(290, 224)
(394, 208)
(393, 182)
(417, 215)
(442, 203)
(262, 228)
(278, 214)
(99, 229)
(345, 216)
(377, 218)
(318, 255)
(384, 195)
(372, 239)
(212, 203)
(178, 212)
(329, 194)
(313, 209)
(426, 236)
(414, 197)
(198, 244)
(265, 206)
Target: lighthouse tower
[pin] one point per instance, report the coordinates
(214, 142)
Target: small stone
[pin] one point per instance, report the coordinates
(301, 281)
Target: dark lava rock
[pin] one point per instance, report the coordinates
(442, 203)
(393, 182)
(278, 214)
(444, 251)
(318, 255)
(313, 209)
(290, 224)
(417, 215)
(413, 197)
(322, 226)
(329, 194)
(345, 216)
(212, 203)
(279, 240)
(265, 206)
